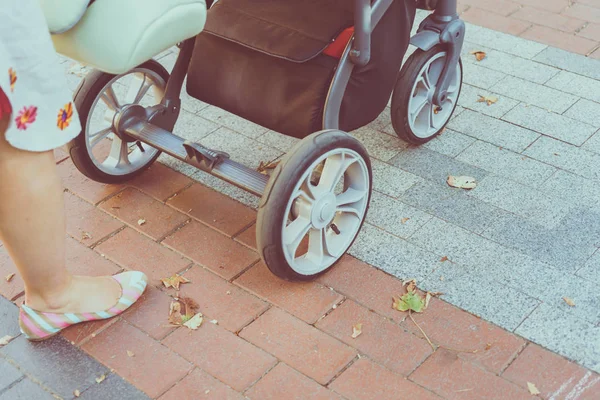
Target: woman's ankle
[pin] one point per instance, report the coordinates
(50, 299)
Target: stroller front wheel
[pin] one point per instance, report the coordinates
(314, 205)
(415, 118)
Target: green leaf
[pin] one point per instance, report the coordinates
(409, 301)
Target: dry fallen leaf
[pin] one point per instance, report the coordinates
(479, 55)
(487, 99)
(410, 301)
(462, 182)
(174, 281)
(76, 393)
(264, 166)
(411, 285)
(175, 317)
(444, 259)
(194, 322)
(141, 221)
(101, 378)
(427, 299)
(9, 277)
(569, 301)
(130, 353)
(532, 389)
(488, 346)
(356, 330)
(5, 340)
(85, 236)
(404, 220)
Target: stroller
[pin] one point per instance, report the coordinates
(311, 69)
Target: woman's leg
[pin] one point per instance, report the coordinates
(32, 228)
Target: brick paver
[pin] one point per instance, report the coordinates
(571, 25)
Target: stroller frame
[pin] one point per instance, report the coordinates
(153, 126)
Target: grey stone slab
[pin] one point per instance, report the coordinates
(449, 143)
(26, 390)
(379, 145)
(392, 254)
(382, 122)
(577, 85)
(434, 166)
(113, 387)
(517, 66)
(511, 165)
(55, 363)
(562, 249)
(566, 335)
(508, 267)
(233, 122)
(9, 316)
(533, 93)
(494, 131)
(192, 127)
(507, 43)
(8, 374)
(479, 76)
(278, 141)
(388, 213)
(481, 296)
(453, 206)
(585, 111)
(562, 155)
(391, 180)
(570, 61)
(525, 201)
(591, 270)
(574, 189)
(241, 148)
(593, 143)
(469, 98)
(582, 226)
(550, 124)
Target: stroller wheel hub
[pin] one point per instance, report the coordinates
(324, 211)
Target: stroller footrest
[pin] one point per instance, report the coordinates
(203, 155)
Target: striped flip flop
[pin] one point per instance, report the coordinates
(37, 325)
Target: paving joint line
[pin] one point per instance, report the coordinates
(178, 192)
(520, 351)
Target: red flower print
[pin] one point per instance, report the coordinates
(64, 116)
(5, 107)
(26, 117)
(13, 78)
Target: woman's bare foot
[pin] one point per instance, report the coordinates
(83, 294)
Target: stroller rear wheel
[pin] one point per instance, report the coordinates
(98, 152)
(314, 205)
(415, 118)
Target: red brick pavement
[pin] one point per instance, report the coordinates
(572, 25)
(273, 339)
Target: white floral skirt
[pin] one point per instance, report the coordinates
(43, 116)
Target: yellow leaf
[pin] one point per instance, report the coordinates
(5, 340)
(264, 166)
(404, 220)
(479, 55)
(487, 99)
(9, 277)
(101, 378)
(532, 389)
(76, 393)
(130, 353)
(569, 301)
(411, 285)
(461, 182)
(356, 330)
(141, 222)
(195, 322)
(174, 281)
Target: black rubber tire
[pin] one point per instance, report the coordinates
(273, 205)
(402, 94)
(88, 91)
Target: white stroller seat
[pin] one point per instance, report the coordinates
(115, 36)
